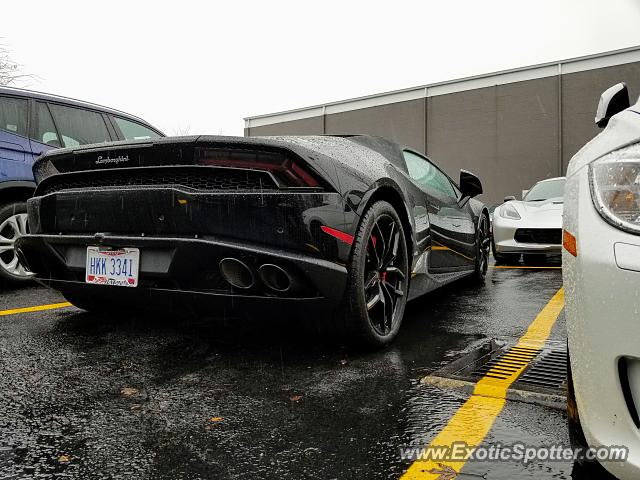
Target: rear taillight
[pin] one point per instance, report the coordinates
(288, 171)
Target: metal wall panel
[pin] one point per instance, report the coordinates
(510, 134)
(461, 132)
(402, 122)
(507, 134)
(580, 94)
(305, 126)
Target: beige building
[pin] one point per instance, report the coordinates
(512, 128)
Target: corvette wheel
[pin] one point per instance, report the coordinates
(504, 258)
(13, 224)
(533, 259)
(378, 278)
(483, 246)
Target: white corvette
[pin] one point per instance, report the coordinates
(531, 226)
(601, 273)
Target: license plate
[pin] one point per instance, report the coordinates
(113, 267)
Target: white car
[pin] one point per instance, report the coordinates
(601, 273)
(531, 226)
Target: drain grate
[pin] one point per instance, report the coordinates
(539, 374)
(548, 370)
(512, 361)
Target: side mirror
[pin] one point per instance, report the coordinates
(508, 198)
(612, 101)
(470, 185)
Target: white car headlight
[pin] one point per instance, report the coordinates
(615, 187)
(509, 211)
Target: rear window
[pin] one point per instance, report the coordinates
(78, 126)
(134, 131)
(13, 115)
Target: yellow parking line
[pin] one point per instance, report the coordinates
(474, 419)
(439, 247)
(37, 308)
(524, 266)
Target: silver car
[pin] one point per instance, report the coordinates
(531, 226)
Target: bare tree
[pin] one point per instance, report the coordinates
(182, 131)
(10, 73)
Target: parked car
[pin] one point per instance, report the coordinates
(531, 226)
(32, 123)
(601, 273)
(356, 222)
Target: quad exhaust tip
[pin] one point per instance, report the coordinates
(236, 273)
(275, 277)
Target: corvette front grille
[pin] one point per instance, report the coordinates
(539, 235)
(191, 178)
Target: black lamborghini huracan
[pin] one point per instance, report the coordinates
(351, 224)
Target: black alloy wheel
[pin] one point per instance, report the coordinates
(378, 277)
(483, 246)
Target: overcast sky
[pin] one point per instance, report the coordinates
(203, 66)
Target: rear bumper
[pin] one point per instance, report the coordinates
(288, 221)
(185, 269)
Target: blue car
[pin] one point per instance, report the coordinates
(30, 124)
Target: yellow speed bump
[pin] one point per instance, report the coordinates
(37, 308)
(473, 420)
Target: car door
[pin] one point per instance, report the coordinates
(14, 142)
(79, 126)
(449, 222)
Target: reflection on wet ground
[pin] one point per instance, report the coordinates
(92, 396)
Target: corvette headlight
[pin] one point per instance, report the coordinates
(615, 188)
(509, 211)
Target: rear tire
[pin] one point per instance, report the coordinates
(97, 304)
(84, 301)
(13, 224)
(483, 247)
(378, 278)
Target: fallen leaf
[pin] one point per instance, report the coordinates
(129, 391)
(64, 459)
(135, 406)
(213, 422)
(295, 398)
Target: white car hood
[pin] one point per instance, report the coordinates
(547, 212)
(623, 129)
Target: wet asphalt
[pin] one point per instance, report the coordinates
(171, 397)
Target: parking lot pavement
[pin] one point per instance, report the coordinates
(92, 396)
